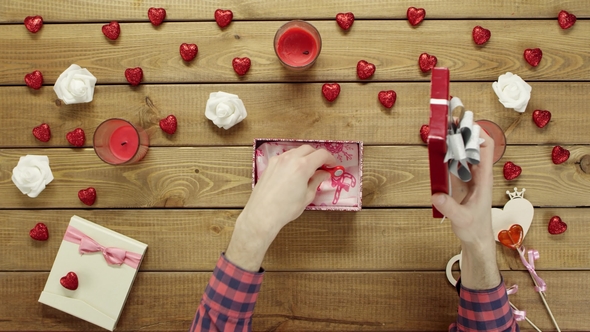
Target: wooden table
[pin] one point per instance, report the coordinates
(380, 269)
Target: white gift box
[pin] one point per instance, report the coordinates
(102, 287)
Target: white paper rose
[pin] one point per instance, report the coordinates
(32, 174)
(512, 91)
(225, 109)
(75, 85)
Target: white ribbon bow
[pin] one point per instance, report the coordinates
(462, 142)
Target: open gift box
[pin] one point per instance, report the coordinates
(339, 193)
(105, 263)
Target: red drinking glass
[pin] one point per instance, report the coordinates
(497, 134)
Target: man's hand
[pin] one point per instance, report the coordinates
(285, 188)
(471, 221)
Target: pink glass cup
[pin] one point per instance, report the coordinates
(297, 44)
(119, 142)
(497, 134)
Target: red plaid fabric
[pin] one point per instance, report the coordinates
(229, 299)
(484, 310)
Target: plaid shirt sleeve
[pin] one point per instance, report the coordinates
(229, 299)
(484, 310)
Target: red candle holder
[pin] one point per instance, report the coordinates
(497, 134)
(297, 44)
(118, 142)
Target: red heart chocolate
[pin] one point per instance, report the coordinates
(415, 15)
(559, 155)
(541, 118)
(364, 69)
(387, 98)
(156, 15)
(424, 132)
(34, 80)
(241, 65)
(223, 17)
(533, 56)
(426, 62)
(168, 124)
(87, 196)
(42, 132)
(556, 226)
(331, 91)
(481, 35)
(512, 238)
(34, 23)
(345, 20)
(566, 20)
(111, 30)
(39, 232)
(134, 75)
(76, 137)
(69, 281)
(511, 171)
(188, 51)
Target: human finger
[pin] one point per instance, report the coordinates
(482, 172)
(300, 151)
(446, 205)
(314, 182)
(320, 157)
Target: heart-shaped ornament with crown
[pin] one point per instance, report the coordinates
(517, 210)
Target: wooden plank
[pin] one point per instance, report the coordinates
(372, 240)
(124, 10)
(379, 301)
(289, 111)
(392, 46)
(211, 177)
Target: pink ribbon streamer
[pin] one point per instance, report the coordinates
(519, 315)
(530, 265)
(113, 256)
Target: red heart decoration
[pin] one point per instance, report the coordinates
(34, 80)
(42, 132)
(415, 15)
(331, 91)
(223, 17)
(39, 232)
(134, 75)
(111, 30)
(188, 51)
(365, 69)
(533, 56)
(241, 65)
(387, 98)
(424, 132)
(69, 281)
(511, 238)
(345, 20)
(566, 20)
(556, 226)
(511, 171)
(559, 155)
(76, 137)
(87, 196)
(168, 124)
(541, 118)
(34, 23)
(426, 62)
(156, 15)
(481, 35)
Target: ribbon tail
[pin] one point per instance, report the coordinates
(530, 265)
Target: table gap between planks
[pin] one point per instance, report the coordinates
(381, 269)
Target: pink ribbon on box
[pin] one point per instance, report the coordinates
(519, 315)
(113, 256)
(530, 265)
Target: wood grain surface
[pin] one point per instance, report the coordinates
(374, 240)
(380, 269)
(393, 46)
(305, 301)
(289, 111)
(182, 10)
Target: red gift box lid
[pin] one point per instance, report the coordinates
(437, 139)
